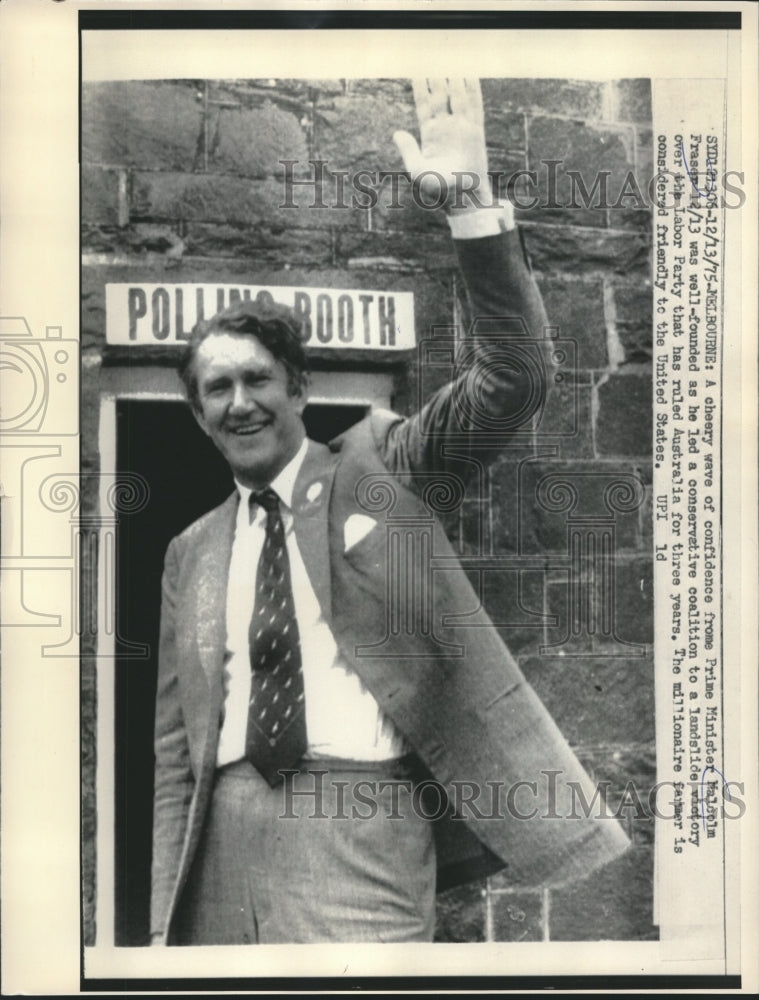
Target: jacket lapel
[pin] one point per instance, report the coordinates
(311, 497)
(211, 596)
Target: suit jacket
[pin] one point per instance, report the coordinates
(432, 659)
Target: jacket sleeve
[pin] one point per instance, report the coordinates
(174, 782)
(499, 375)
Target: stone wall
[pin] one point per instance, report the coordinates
(181, 182)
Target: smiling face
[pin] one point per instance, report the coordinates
(247, 406)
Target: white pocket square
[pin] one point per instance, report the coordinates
(357, 527)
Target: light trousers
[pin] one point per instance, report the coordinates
(338, 853)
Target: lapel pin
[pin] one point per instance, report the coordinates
(312, 499)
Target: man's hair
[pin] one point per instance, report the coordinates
(275, 326)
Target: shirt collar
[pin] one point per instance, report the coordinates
(284, 484)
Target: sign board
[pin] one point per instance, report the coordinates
(146, 314)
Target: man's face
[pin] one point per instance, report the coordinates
(247, 408)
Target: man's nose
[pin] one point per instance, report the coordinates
(242, 398)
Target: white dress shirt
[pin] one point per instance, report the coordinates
(342, 717)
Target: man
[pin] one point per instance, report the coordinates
(298, 698)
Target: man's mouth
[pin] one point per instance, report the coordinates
(247, 430)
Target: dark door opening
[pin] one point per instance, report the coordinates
(161, 442)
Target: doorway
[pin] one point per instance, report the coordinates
(159, 440)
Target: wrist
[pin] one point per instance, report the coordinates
(473, 223)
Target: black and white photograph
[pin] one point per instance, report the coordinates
(411, 673)
(388, 530)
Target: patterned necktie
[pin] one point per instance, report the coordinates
(276, 733)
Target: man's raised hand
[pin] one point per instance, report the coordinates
(452, 128)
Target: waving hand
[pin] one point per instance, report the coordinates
(452, 129)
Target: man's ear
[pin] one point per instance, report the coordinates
(301, 397)
(200, 419)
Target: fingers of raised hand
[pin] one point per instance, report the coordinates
(435, 98)
(421, 99)
(439, 97)
(471, 97)
(408, 147)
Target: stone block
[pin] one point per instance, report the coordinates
(551, 495)
(89, 425)
(634, 100)
(281, 87)
(92, 331)
(97, 239)
(646, 518)
(147, 240)
(557, 633)
(460, 914)
(577, 309)
(511, 533)
(259, 245)
(391, 90)
(516, 916)
(173, 196)
(396, 250)
(588, 155)
(633, 307)
(511, 182)
(505, 130)
(587, 252)
(160, 125)
(100, 195)
(616, 623)
(355, 133)
(630, 218)
(568, 420)
(644, 158)
(253, 141)
(615, 903)
(634, 599)
(623, 422)
(507, 152)
(594, 699)
(513, 598)
(311, 202)
(472, 529)
(576, 98)
(297, 95)
(154, 124)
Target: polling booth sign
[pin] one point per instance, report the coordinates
(149, 314)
